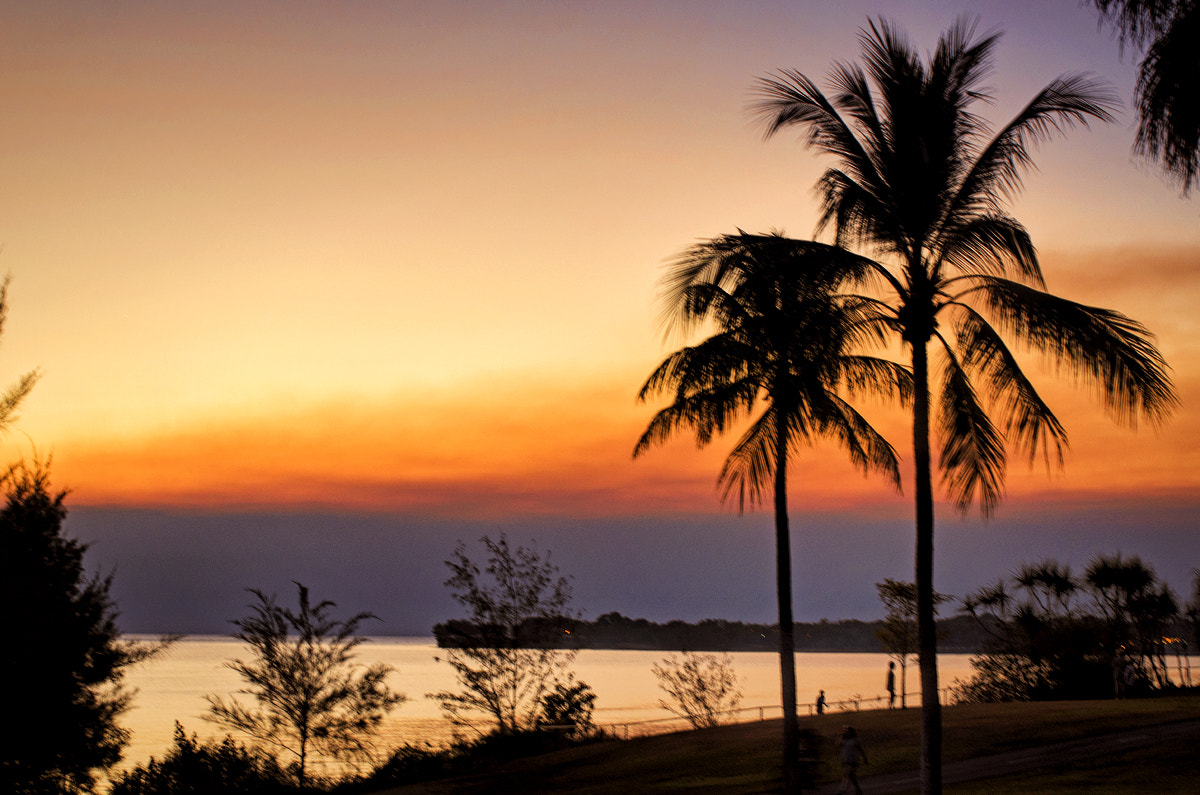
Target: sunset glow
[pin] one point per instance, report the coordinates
(403, 257)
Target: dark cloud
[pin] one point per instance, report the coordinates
(187, 571)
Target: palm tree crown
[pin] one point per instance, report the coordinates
(785, 341)
(919, 182)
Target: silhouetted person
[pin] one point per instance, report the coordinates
(821, 703)
(851, 752)
(891, 685)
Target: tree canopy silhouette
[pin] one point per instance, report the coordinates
(63, 660)
(1168, 88)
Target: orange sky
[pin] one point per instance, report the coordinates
(404, 257)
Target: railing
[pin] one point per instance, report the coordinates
(855, 703)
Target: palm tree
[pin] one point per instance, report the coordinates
(781, 352)
(1168, 79)
(919, 183)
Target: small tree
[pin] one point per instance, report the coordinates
(311, 698)
(701, 686)
(568, 705)
(899, 632)
(506, 655)
(63, 659)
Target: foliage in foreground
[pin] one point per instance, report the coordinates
(1168, 115)
(191, 767)
(312, 699)
(63, 658)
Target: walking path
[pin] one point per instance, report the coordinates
(997, 765)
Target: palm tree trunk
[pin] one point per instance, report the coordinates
(931, 708)
(787, 639)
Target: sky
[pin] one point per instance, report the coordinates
(318, 290)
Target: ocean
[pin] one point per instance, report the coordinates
(173, 687)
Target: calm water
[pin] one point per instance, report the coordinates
(173, 687)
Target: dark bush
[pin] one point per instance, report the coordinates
(194, 768)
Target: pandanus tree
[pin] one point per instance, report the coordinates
(919, 183)
(784, 355)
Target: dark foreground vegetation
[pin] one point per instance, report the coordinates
(740, 758)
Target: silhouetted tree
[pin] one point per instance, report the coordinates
(505, 662)
(1168, 87)
(311, 699)
(1136, 608)
(899, 631)
(920, 185)
(783, 352)
(568, 704)
(63, 659)
(1047, 644)
(701, 686)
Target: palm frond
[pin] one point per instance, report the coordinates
(1097, 347)
(789, 98)
(994, 244)
(855, 99)
(1137, 20)
(749, 469)
(720, 359)
(1068, 101)
(1168, 83)
(972, 455)
(1029, 423)
(868, 450)
(712, 389)
(870, 375)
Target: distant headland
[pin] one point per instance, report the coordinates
(958, 635)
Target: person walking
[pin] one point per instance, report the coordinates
(851, 752)
(821, 703)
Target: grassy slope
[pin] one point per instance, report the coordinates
(743, 758)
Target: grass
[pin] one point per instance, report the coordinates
(1172, 767)
(744, 758)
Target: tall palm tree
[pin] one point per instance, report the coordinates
(919, 182)
(1168, 79)
(781, 352)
